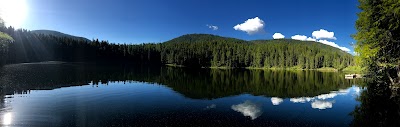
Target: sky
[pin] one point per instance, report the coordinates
(140, 21)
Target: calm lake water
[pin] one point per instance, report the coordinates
(66, 94)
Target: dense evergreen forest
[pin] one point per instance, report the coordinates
(193, 50)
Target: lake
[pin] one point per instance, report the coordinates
(74, 94)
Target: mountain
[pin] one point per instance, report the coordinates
(206, 50)
(58, 34)
(193, 38)
(191, 50)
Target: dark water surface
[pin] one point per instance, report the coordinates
(66, 94)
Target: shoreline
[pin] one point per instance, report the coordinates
(324, 69)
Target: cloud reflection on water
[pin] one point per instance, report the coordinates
(319, 102)
(276, 100)
(248, 108)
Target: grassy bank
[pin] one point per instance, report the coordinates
(354, 69)
(174, 65)
(350, 69)
(328, 69)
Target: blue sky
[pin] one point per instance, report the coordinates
(138, 21)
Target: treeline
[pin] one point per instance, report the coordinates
(30, 47)
(204, 50)
(194, 50)
(210, 50)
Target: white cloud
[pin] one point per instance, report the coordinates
(278, 36)
(301, 99)
(327, 96)
(343, 91)
(321, 104)
(323, 34)
(251, 26)
(357, 90)
(311, 39)
(320, 101)
(303, 38)
(248, 108)
(276, 100)
(212, 27)
(299, 37)
(333, 44)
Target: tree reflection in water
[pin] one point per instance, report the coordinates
(379, 108)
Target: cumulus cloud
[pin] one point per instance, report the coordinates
(212, 27)
(357, 90)
(299, 37)
(276, 100)
(301, 99)
(248, 108)
(321, 104)
(333, 44)
(278, 36)
(323, 34)
(303, 38)
(320, 101)
(311, 39)
(251, 26)
(327, 96)
(344, 91)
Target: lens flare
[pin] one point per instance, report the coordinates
(7, 119)
(13, 12)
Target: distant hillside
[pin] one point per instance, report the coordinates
(58, 34)
(191, 50)
(215, 51)
(298, 42)
(193, 38)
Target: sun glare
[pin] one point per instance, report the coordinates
(13, 12)
(7, 119)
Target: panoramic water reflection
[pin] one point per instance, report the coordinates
(134, 95)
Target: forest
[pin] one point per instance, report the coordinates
(192, 50)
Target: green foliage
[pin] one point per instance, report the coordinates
(193, 50)
(378, 107)
(2, 23)
(209, 50)
(378, 38)
(355, 69)
(5, 41)
(58, 34)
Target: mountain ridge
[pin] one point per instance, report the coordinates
(58, 34)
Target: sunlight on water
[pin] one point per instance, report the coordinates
(7, 119)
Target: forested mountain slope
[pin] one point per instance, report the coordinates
(210, 50)
(58, 34)
(192, 50)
